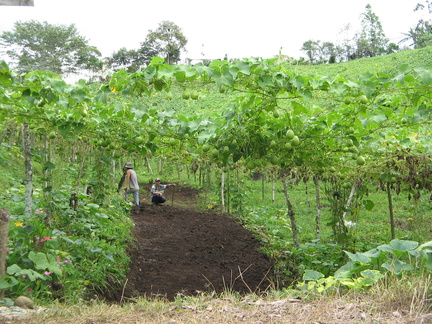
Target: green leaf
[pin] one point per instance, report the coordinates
(5, 75)
(31, 274)
(345, 271)
(368, 204)
(337, 88)
(425, 245)
(243, 68)
(379, 118)
(13, 269)
(265, 81)
(428, 259)
(306, 94)
(397, 266)
(312, 275)
(49, 166)
(78, 94)
(102, 94)
(375, 274)
(44, 262)
(358, 257)
(425, 75)
(57, 84)
(156, 61)
(165, 74)
(6, 285)
(373, 254)
(403, 246)
(39, 259)
(222, 78)
(150, 72)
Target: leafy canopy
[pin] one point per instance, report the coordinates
(33, 45)
(167, 41)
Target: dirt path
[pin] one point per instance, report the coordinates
(180, 249)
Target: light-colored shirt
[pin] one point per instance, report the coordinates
(133, 180)
(159, 188)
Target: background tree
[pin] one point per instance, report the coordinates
(319, 53)
(371, 40)
(346, 46)
(329, 52)
(311, 49)
(167, 41)
(421, 35)
(33, 45)
(124, 59)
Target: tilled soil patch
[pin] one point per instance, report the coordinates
(182, 250)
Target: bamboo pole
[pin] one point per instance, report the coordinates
(28, 164)
(390, 206)
(318, 209)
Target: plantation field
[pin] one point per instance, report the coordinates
(328, 167)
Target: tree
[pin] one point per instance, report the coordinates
(421, 34)
(33, 45)
(371, 41)
(167, 41)
(346, 46)
(125, 59)
(311, 49)
(318, 53)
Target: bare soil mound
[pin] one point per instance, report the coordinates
(180, 249)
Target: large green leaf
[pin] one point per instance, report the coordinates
(403, 246)
(312, 275)
(358, 257)
(397, 266)
(45, 262)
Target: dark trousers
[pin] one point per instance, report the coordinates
(156, 199)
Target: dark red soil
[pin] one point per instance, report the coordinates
(182, 250)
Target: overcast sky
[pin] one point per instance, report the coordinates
(238, 28)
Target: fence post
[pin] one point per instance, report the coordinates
(4, 231)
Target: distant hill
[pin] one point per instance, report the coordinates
(387, 64)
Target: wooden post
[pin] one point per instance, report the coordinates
(172, 196)
(4, 231)
(390, 204)
(28, 165)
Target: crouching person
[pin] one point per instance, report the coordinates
(157, 192)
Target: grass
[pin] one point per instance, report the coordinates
(400, 300)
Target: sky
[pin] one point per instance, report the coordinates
(236, 28)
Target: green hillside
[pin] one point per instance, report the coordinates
(387, 64)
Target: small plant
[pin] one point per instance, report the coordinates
(366, 268)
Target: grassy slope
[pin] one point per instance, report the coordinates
(387, 64)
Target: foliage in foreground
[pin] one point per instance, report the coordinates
(68, 254)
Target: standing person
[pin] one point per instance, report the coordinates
(157, 191)
(132, 186)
